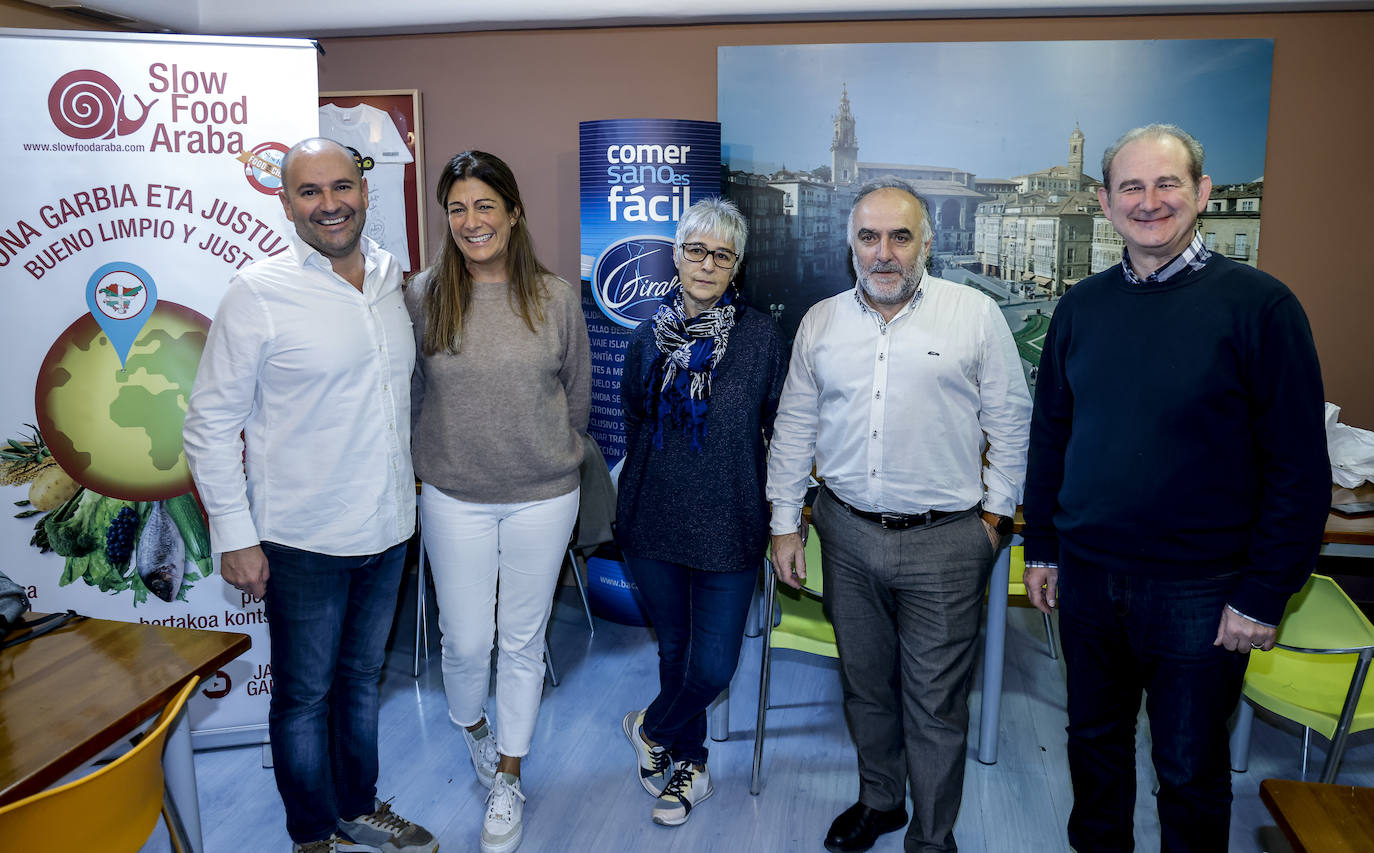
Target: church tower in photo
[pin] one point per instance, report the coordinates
(844, 146)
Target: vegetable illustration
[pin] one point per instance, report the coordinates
(119, 537)
(161, 554)
(21, 460)
(51, 488)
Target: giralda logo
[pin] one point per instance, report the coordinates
(631, 278)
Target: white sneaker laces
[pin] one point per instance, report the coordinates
(501, 801)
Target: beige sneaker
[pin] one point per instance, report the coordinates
(687, 787)
(652, 762)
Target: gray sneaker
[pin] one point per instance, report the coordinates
(385, 831)
(653, 761)
(483, 752)
(687, 787)
(332, 844)
(503, 827)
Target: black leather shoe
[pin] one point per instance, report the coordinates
(858, 827)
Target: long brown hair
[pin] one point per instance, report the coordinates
(449, 294)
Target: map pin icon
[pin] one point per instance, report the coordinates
(121, 297)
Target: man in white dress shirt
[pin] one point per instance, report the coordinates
(309, 359)
(907, 394)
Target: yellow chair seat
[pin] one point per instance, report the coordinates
(803, 626)
(113, 809)
(1328, 645)
(1311, 688)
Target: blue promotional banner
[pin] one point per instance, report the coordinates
(638, 176)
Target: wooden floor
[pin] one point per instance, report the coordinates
(583, 794)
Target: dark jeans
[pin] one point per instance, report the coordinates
(906, 605)
(1124, 634)
(328, 619)
(699, 618)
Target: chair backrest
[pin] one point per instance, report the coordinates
(596, 512)
(803, 625)
(113, 809)
(1322, 616)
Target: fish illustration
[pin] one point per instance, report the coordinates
(161, 554)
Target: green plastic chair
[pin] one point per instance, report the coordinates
(802, 627)
(1314, 676)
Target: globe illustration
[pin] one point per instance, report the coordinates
(117, 430)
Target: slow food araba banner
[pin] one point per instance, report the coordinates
(142, 173)
(638, 176)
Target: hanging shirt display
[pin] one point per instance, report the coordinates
(373, 133)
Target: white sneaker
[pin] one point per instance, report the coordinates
(502, 827)
(483, 752)
(687, 787)
(652, 762)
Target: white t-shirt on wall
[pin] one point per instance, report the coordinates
(374, 134)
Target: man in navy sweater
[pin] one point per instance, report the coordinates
(1175, 496)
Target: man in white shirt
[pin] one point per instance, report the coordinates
(309, 359)
(907, 394)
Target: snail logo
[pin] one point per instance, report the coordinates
(631, 278)
(86, 104)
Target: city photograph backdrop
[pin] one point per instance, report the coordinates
(1003, 139)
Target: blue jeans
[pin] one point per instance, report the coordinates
(699, 618)
(1124, 634)
(328, 619)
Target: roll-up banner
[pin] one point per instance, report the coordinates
(638, 176)
(142, 173)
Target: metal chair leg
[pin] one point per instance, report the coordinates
(1240, 737)
(582, 590)
(421, 623)
(1049, 637)
(718, 716)
(765, 676)
(548, 663)
(1352, 699)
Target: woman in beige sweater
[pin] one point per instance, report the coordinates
(499, 399)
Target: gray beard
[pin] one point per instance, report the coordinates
(911, 279)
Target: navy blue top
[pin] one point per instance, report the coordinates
(703, 510)
(1178, 431)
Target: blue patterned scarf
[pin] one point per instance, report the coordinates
(679, 387)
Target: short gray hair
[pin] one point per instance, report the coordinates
(891, 182)
(1156, 131)
(718, 217)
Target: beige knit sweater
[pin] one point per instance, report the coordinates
(502, 420)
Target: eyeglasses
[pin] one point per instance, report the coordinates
(697, 252)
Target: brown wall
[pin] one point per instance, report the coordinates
(522, 94)
(16, 14)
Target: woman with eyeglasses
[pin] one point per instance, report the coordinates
(700, 389)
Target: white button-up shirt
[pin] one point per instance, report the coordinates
(316, 376)
(895, 414)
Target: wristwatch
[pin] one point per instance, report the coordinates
(1000, 523)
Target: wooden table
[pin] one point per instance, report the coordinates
(1319, 818)
(1349, 531)
(69, 695)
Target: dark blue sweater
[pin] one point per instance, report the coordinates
(1178, 432)
(703, 510)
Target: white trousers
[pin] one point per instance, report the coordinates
(495, 569)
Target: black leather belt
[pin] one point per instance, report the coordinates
(894, 520)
